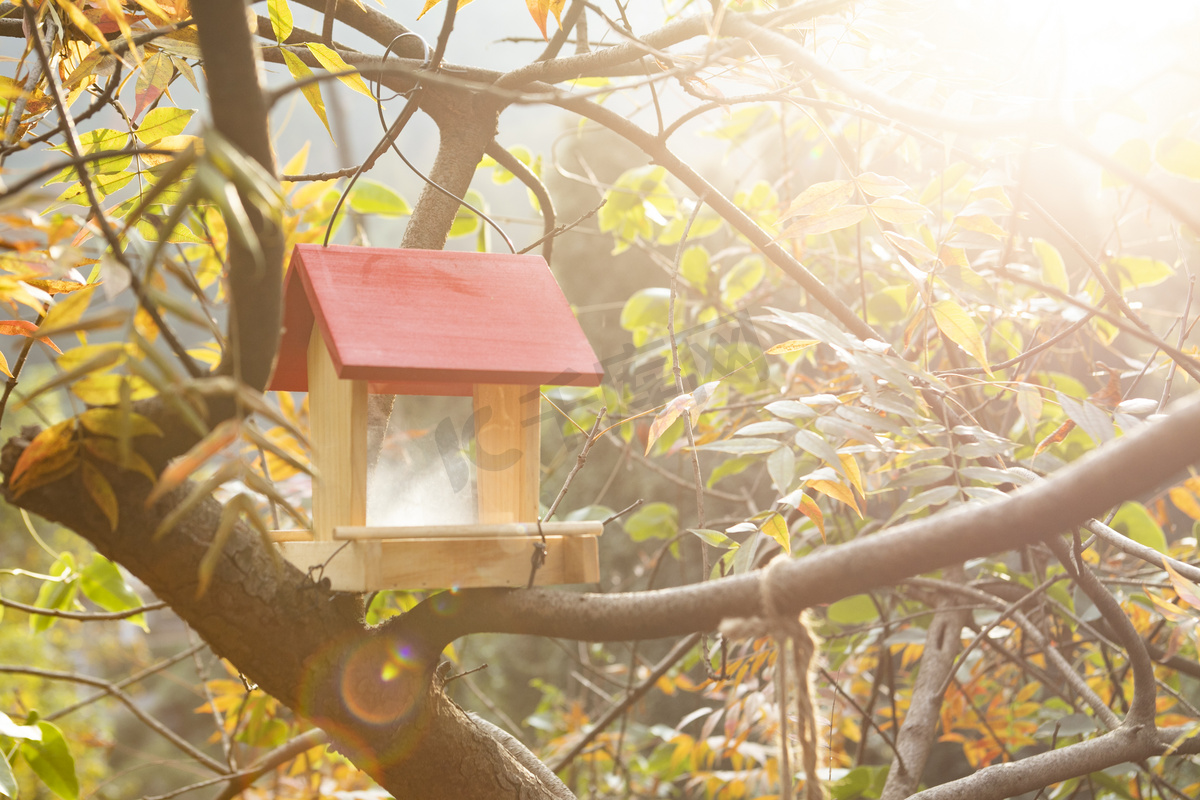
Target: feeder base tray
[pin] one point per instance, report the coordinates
(362, 559)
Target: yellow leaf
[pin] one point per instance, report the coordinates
(431, 3)
(819, 198)
(331, 61)
(838, 492)
(917, 249)
(105, 390)
(825, 222)
(281, 19)
(880, 185)
(297, 162)
(898, 211)
(851, 471)
(792, 346)
(52, 454)
(112, 422)
(776, 528)
(85, 25)
(101, 492)
(312, 91)
(981, 223)
(69, 310)
(958, 327)
(107, 450)
(4, 366)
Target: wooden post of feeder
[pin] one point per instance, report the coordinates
(338, 420)
(507, 452)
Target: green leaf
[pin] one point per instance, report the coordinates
(56, 595)
(854, 610)
(103, 584)
(467, 221)
(1135, 522)
(1137, 272)
(715, 538)
(959, 328)
(742, 279)
(733, 466)
(281, 19)
(1134, 154)
(653, 521)
(162, 122)
(645, 314)
(1054, 271)
(373, 197)
(1179, 155)
(335, 63)
(50, 760)
(694, 267)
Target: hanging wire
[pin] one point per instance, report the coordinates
(389, 140)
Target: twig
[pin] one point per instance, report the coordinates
(561, 229)
(527, 176)
(1183, 332)
(111, 689)
(141, 675)
(681, 649)
(623, 511)
(592, 437)
(82, 616)
(327, 22)
(110, 235)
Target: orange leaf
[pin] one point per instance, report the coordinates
(20, 327)
(181, 468)
(1188, 592)
(809, 508)
(53, 286)
(1185, 501)
(1056, 437)
(51, 455)
(792, 346)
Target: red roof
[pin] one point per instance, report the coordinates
(429, 321)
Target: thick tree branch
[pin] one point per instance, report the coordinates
(943, 643)
(1124, 469)
(239, 113)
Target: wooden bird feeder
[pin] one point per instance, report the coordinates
(422, 322)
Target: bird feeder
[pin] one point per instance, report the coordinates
(419, 322)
